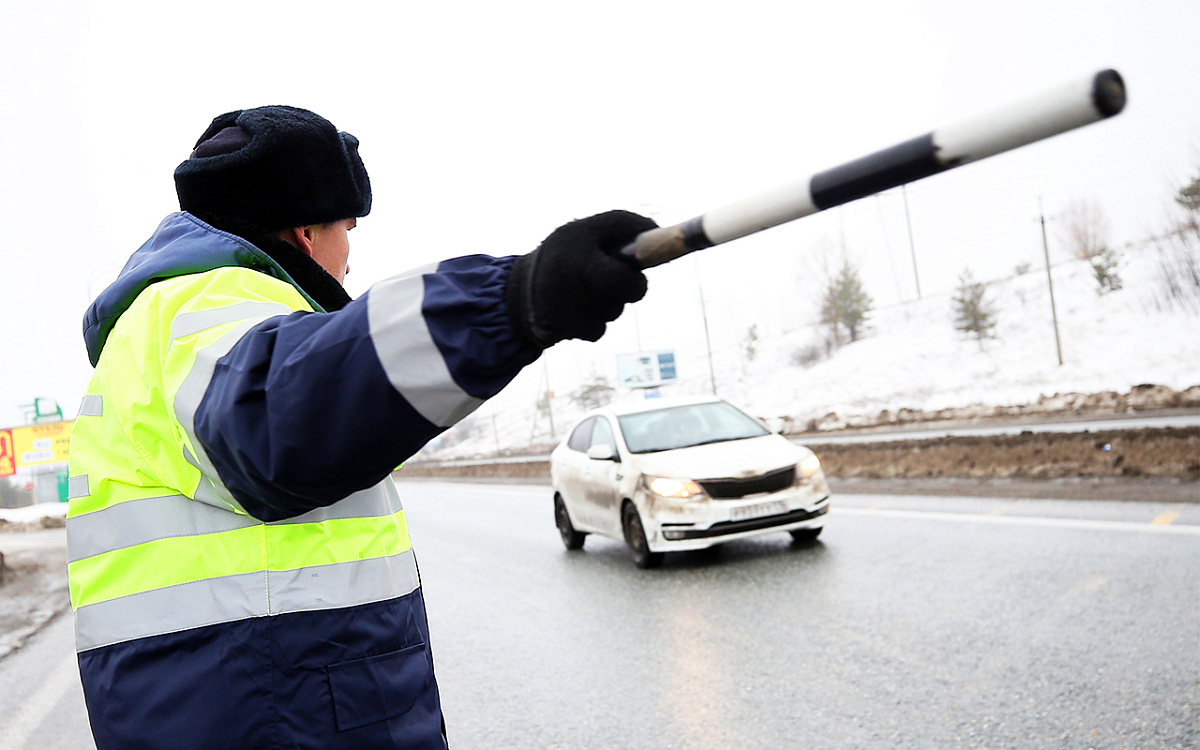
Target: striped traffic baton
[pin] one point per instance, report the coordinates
(1096, 97)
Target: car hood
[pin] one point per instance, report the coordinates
(733, 458)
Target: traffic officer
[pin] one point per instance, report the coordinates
(240, 567)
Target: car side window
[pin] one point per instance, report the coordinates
(581, 438)
(602, 434)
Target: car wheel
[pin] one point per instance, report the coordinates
(635, 536)
(806, 535)
(571, 538)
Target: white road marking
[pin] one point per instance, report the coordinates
(28, 716)
(1063, 523)
(1166, 517)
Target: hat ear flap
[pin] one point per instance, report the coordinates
(219, 123)
(226, 141)
(358, 171)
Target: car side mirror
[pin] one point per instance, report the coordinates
(603, 452)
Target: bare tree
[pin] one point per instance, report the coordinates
(1084, 229)
(1178, 250)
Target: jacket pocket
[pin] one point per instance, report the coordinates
(378, 687)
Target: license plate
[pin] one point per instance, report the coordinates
(757, 511)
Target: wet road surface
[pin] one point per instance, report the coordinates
(915, 622)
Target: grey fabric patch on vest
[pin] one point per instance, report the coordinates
(92, 406)
(78, 487)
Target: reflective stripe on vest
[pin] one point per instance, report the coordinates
(156, 543)
(191, 391)
(217, 600)
(169, 563)
(413, 363)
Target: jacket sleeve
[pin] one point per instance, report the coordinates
(308, 408)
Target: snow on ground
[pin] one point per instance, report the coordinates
(33, 512)
(911, 356)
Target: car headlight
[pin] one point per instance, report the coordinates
(809, 466)
(678, 488)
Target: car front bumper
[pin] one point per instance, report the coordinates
(674, 526)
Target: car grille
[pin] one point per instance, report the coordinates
(728, 489)
(755, 524)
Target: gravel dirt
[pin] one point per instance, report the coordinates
(1131, 459)
(1165, 453)
(33, 581)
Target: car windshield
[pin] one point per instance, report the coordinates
(685, 426)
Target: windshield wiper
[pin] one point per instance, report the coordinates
(719, 440)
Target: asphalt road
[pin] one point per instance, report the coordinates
(913, 623)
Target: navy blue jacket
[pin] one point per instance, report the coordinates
(302, 412)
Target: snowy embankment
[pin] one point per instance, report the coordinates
(911, 357)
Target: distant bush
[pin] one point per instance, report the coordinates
(593, 394)
(808, 355)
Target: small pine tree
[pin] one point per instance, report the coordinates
(973, 313)
(1188, 196)
(845, 304)
(1104, 268)
(751, 343)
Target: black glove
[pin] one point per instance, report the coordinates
(575, 283)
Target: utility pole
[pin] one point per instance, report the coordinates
(1050, 282)
(712, 376)
(549, 396)
(495, 431)
(911, 247)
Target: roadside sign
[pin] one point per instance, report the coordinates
(646, 369)
(8, 455)
(41, 447)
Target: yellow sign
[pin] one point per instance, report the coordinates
(8, 457)
(41, 444)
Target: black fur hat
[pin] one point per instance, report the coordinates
(276, 167)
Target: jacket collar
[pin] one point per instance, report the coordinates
(182, 245)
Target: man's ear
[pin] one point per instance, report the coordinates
(301, 237)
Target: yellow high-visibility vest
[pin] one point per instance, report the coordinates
(156, 543)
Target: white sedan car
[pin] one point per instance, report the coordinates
(682, 475)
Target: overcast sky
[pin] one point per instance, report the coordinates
(484, 125)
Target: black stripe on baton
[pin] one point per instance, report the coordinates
(694, 237)
(903, 163)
